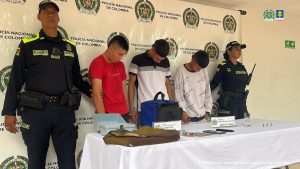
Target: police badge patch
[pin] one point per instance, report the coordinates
(68, 47)
(144, 11)
(5, 75)
(12, 162)
(173, 48)
(88, 6)
(269, 15)
(213, 51)
(229, 24)
(191, 18)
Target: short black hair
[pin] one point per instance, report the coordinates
(121, 41)
(162, 47)
(202, 58)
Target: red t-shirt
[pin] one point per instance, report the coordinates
(112, 76)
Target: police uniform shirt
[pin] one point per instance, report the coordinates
(233, 77)
(39, 63)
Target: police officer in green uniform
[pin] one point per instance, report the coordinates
(234, 78)
(48, 67)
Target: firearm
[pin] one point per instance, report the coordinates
(250, 75)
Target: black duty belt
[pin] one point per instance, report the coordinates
(235, 94)
(60, 100)
(53, 99)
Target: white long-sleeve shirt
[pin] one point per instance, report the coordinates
(192, 91)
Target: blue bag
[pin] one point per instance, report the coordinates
(159, 110)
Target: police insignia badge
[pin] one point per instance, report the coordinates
(213, 51)
(229, 24)
(144, 11)
(4, 78)
(68, 46)
(55, 53)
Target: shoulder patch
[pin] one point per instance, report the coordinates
(30, 39)
(69, 41)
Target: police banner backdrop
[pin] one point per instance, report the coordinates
(187, 27)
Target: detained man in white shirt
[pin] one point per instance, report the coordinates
(192, 88)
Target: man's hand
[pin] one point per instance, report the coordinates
(10, 124)
(134, 116)
(185, 117)
(206, 116)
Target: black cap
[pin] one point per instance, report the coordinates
(45, 3)
(162, 47)
(235, 44)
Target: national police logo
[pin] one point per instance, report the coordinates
(144, 11)
(20, 163)
(173, 48)
(157, 126)
(191, 18)
(269, 15)
(63, 32)
(214, 122)
(16, 1)
(88, 6)
(229, 24)
(5, 75)
(85, 74)
(115, 34)
(213, 51)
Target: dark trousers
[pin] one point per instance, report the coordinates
(57, 122)
(237, 107)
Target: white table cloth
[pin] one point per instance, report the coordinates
(247, 147)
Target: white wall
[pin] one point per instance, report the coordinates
(274, 89)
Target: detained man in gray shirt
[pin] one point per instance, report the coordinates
(192, 88)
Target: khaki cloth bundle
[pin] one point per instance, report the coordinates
(142, 136)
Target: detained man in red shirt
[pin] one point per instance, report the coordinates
(108, 77)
